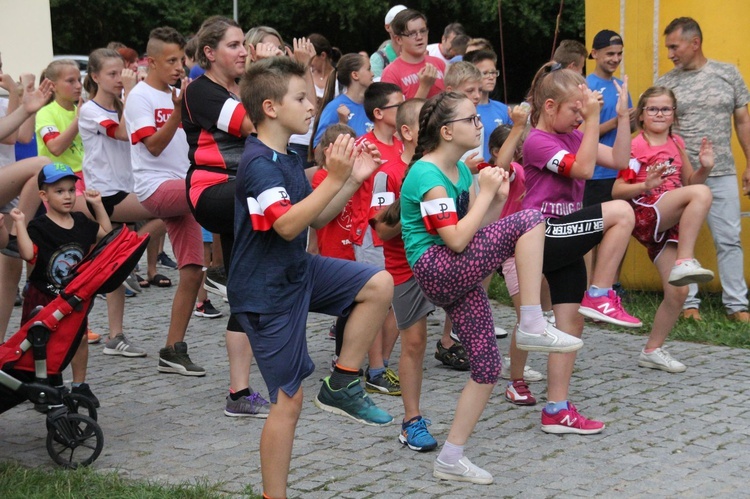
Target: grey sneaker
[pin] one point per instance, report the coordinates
(175, 359)
(551, 340)
(387, 383)
(528, 373)
(253, 406)
(131, 284)
(660, 359)
(463, 471)
(120, 345)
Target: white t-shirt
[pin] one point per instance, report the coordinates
(433, 49)
(146, 111)
(106, 160)
(7, 152)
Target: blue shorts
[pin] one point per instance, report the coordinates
(279, 340)
(207, 236)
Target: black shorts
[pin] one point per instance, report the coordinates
(566, 240)
(597, 191)
(109, 203)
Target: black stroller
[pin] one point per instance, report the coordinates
(32, 360)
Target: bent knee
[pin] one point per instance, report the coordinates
(617, 211)
(379, 287)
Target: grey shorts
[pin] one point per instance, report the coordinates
(368, 253)
(410, 304)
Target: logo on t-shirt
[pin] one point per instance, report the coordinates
(61, 262)
(161, 116)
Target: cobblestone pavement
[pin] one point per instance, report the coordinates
(667, 434)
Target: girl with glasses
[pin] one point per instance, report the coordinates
(453, 240)
(670, 204)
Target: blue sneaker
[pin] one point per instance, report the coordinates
(351, 401)
(415, 434)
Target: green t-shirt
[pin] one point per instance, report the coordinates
(422, 177)
(377, 64)
(51, 121)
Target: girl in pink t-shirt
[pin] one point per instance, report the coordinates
(670, 204)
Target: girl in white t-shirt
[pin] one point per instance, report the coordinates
(670, 204)
(106, 168)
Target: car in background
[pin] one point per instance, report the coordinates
(81, 60)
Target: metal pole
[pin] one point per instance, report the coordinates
(234, 7)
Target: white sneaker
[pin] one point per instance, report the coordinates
(689, 272)
(463, 471)
(660, 359)
(552, 340)
(528, 373)
(549, 315)
(500, 333)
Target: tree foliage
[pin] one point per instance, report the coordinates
(352, 25)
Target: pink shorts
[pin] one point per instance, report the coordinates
(169, 202)
(647, 223)
(511, 276)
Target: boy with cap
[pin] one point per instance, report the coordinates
(387, 52)
(54, 243)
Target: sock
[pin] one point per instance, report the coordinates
(375, 372)
(75, 385)
(681, 260)
(342, 377)
(238, 395)
(532, 319)
(648, 350)
(450, 454)
(595, 292)
(555, 407)
(385, 363)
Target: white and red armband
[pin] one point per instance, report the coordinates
(268, 207)
(438, 213)
(380, 201)
(561, 163)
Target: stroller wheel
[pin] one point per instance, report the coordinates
(80, 404)
(74, 440)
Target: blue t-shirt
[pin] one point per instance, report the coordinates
(609, 93)
(266, 271)
(493, 114)
(358, 120)
(195, 72)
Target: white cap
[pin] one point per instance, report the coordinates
(392, 13)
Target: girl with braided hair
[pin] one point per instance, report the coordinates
(453, 240)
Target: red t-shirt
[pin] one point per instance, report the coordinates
(406, 75)
(362, 198)
(386, 189)
(333, 239)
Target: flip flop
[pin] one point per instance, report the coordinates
(160, 281)
(143, 282)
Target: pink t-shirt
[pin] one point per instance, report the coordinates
(644, 155)
(406, 75)
(515, 192)
(547, 159)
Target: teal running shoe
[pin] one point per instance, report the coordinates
(353, 402)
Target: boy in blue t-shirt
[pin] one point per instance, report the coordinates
(274, 283)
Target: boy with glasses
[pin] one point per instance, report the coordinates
(418, 74)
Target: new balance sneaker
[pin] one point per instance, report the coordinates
(352, 402)
(552, 340)
(93, 337)
(463, 471)
(216, 281)
(387, 383)
(500, 333)
(120, 345)
(164, 260)
(517, 392)
(689, 272)
(415, 435)
(206, 309)
(607, 309)
(253, 406)
(175, 359)
(529, 374)
(569, 421)
(660, 359)
(85, 390)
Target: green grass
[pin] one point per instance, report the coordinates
(714, 329)
(17, 482)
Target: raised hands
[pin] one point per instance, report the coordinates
(34, 100)
(303, 51)
(520, 115)
(622, 97)
(706, 154)
(129, 79)
(427, 75)
(263, 51)
(589, 102)
(92, 196)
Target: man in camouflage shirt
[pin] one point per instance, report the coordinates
(708, 94)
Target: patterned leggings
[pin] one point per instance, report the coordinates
(454, 282)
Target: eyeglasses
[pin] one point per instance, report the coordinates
(415, 34)
(665, 111)
(491, 74)
(474, 118)
(390, 107)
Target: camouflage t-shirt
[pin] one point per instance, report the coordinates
(706, 99)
